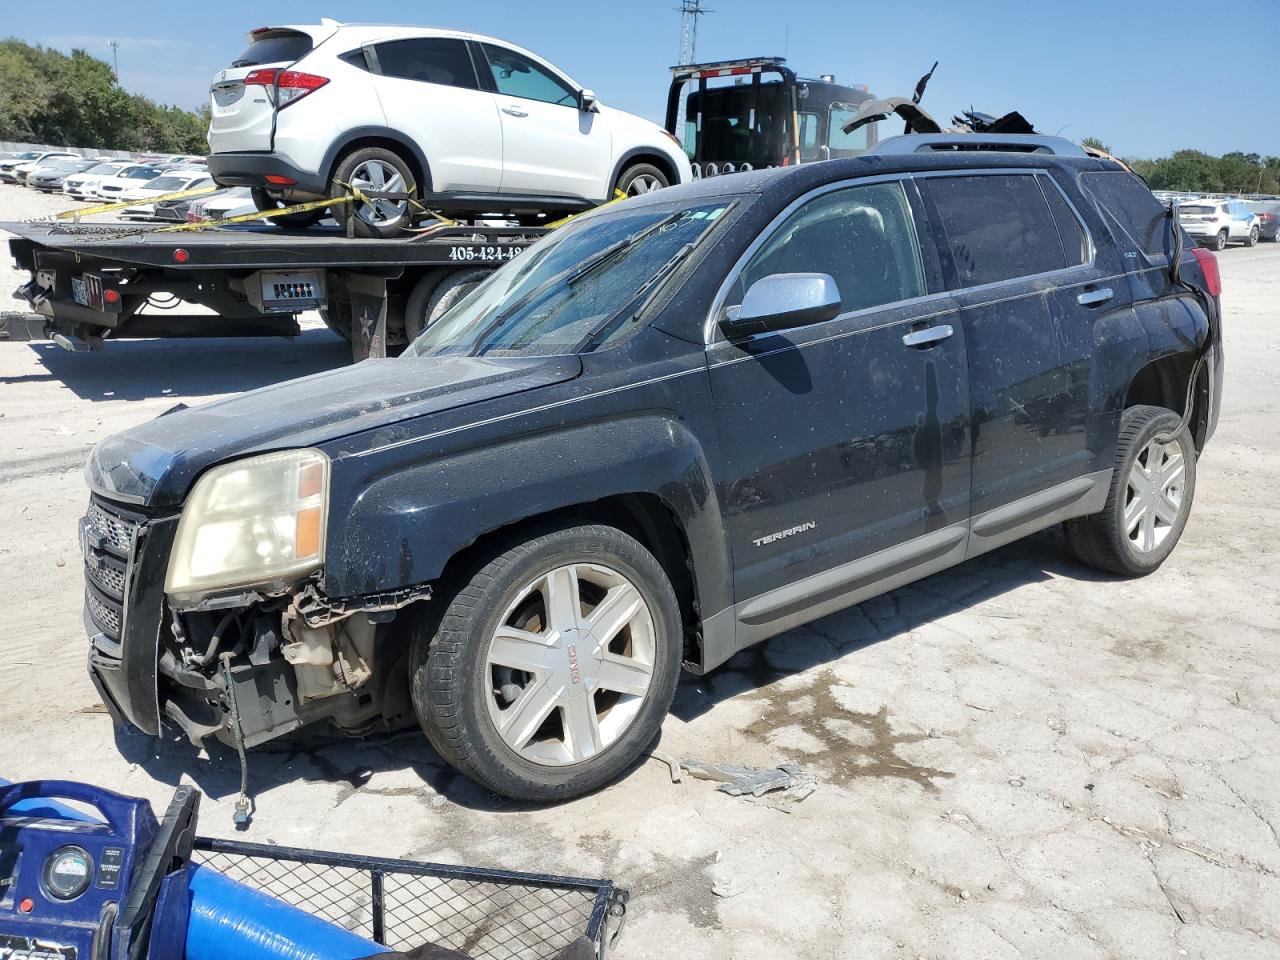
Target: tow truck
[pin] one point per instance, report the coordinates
(90, 283)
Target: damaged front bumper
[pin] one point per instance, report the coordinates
(246, 668)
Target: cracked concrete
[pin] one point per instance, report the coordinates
(1017, 758)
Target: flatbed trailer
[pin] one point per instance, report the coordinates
(90, 282)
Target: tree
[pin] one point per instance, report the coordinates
(1095, 144)
(1188, 170)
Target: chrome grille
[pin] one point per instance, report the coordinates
(109, 578)
(108, 543)
(117, 531)
(104, 615)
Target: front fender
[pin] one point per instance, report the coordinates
(407, 523)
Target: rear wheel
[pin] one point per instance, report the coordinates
(1152, 487)
(641, 178)
(294, 221)
(1253, 237)
(552, 666)
(452, 288)
(375, 170)
(1220, 241)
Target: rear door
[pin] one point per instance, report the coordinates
(1030, 294)
(241, 115)
(429, 90)
(846, 443)
(549, 146)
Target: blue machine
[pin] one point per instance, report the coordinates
(120, 885)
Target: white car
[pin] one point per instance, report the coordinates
(81, 185)
(464, 123)
(224, 203)
(113, 187)
(16, 171)
(171, 181)
(1215, 223)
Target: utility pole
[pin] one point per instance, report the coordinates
(115, 56)
(690, 11)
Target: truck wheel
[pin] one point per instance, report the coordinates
(375, 169)
(1253, 237)
(551, 667)
(1220, 241)
(1147, 507)
(641, 178)
(294, 221)
(448, 291)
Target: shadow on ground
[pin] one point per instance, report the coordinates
(146, 369)
(352, 764)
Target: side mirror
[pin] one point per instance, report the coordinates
(782, 301)
(586, 100)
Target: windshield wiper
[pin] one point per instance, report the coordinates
(647, 293)
(567, 278)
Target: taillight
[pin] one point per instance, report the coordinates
(1209, 267)
(291, 85)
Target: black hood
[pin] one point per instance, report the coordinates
(155, 463)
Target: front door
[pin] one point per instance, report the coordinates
(549, 146)
(845, 444)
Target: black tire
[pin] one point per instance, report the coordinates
(1220, 241)
(641, 178)
(1253, 238)
(1100, 540)
(417, 307)
(449, 650)
(342, 175)
(292, 221)
(451, 288)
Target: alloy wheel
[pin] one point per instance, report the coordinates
(1155, 494)
(570, 664)
(381, 177)
(645, 183)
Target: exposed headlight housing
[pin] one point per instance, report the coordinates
(258, 522)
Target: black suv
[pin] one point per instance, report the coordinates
(675, 427)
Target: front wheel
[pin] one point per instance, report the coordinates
(374, 170)
(1253, 237)
(641, 178)
(552, 666)
(294, 221)
(1149, 500)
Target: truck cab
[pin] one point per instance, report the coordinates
(737, 115)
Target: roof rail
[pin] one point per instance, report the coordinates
(997, 142)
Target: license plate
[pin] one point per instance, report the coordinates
(79, 291)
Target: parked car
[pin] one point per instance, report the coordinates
(8, 164)
(16, 172)
(1268, 212)
(1216, 223)
(225, 203)
(113, 187)
(174, 181)
(81, 186)
(460, 122)
(49, 178)
(725, 425)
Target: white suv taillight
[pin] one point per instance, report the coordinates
(290, 85)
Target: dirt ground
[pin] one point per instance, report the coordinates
(1017, 758)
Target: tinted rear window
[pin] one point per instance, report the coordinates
(998, 227)
(440, 60)
(276, 46)
(1127, 203)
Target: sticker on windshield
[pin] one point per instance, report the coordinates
(715, 213)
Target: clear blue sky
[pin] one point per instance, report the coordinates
(1120, 70)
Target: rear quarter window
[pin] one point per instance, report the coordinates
(275, 46)
(1126, 203)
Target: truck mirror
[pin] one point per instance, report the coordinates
(782, 301)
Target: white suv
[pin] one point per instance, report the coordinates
(461, 122)
(1214, 223)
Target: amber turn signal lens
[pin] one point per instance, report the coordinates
(310, 480)
(307, 538)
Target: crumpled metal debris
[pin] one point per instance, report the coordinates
(739, 781)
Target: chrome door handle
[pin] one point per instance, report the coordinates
(1092, 298)
(922, 338)
(515, 111)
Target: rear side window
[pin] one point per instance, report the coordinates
(441, 60)
(1126, 203)
(998, 227)
(274, 46)
(1075, 241)
(863, 237)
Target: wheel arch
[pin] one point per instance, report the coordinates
(643, 155)
(1163, 383)
(388, 139)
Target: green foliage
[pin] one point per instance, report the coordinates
(1095, 143)
(49, 97)
(1195, 172)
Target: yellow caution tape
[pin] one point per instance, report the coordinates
(257, 215)
(108, 207)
